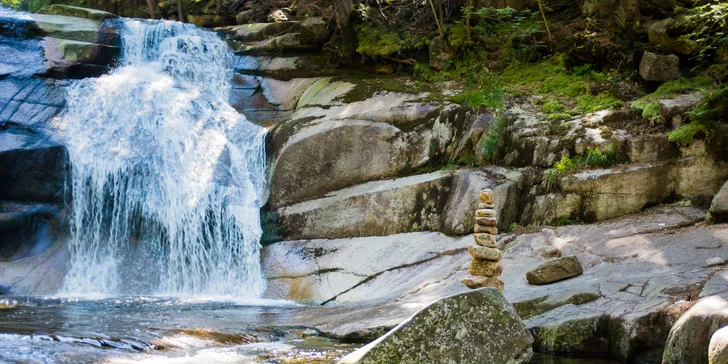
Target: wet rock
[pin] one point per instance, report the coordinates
(66, 27)
(289, 42)
(34, 175)
(719, 206)
(79, 12)
(25, 228)
(439, 56)
(314, 30)
(555, 270)
(690, 336)
(718, 349)
(663, 33)
(475, 327)
(76, 59)
(657, 67)
(577, 332)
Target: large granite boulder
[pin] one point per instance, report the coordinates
(667, 33)
(474, 327)
(719, 206)
(75, 11)
(690, 336)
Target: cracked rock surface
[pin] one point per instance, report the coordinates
(641, 272)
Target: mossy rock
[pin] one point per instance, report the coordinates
(75, 11)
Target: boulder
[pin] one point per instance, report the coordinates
(657, 67)
(555, 270)
(666, 33)
(245, 16)
(314, 30)
(718, 349)
(474, 327)
(690, 336)
(39, 175)
(76, 59)
(79, 12)
(719, 206)
(209, 20)
(386, 207)
(83, 30)
(256, 32)
(458, 215)
(439, 56)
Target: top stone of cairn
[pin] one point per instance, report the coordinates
(486, 196)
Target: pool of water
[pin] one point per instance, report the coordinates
(168, 330)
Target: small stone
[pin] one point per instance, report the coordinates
(486, 240)
(486, 206)
(555, 270)
(479, 267)
(657, 67)
(485, 229)
(485, 213)
(486, 196)
(474, 282)
(486, 221)
(714, 261)
(279, 15)
(485, 253)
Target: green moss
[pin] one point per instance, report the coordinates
(495, 138)
(595, 157)
(558, 116)
(650, 110)
(710, 114)
(681, 86)
(563, 221)
(591, 103)
(551, 106)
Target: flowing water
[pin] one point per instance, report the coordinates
(167, 176)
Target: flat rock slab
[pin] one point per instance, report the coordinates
(555, 270)
(474, 327)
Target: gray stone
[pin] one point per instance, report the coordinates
(690, 336)
(439, 55)
(386, 207)
(256, 32)
(279, 15)
(314, 30)
(458, 215)
(474, 327)
(555, 270)
(657, 67)
(660, 33)
(719, 206)
(718, 349)
(711, 262)
(245, 16)
(485, 253)
(75, 11)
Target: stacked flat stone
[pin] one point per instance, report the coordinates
(484, 268)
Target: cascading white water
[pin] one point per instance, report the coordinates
(167, 176)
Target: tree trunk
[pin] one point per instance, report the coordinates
(134, 7)
(180, 11)
(152, 4)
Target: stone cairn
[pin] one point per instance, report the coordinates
(484, 268)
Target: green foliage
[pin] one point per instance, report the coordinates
(707, 27)
(681, 86)
(591, 103)
(487, 91)
(563, 221)
(650, 109)
(551, 106)
(558, 116)
(705, 119)
(495, 138)
(380, 41)
(595, 157)
(11, 3)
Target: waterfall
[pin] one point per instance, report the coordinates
(167, 176)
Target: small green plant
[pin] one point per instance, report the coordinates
(707, 29)
(558, 116)
(705, 119)
(591, 103)
(563, 221)
(551, 106)
(495, 138)
(594, 157)
(650, 109)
